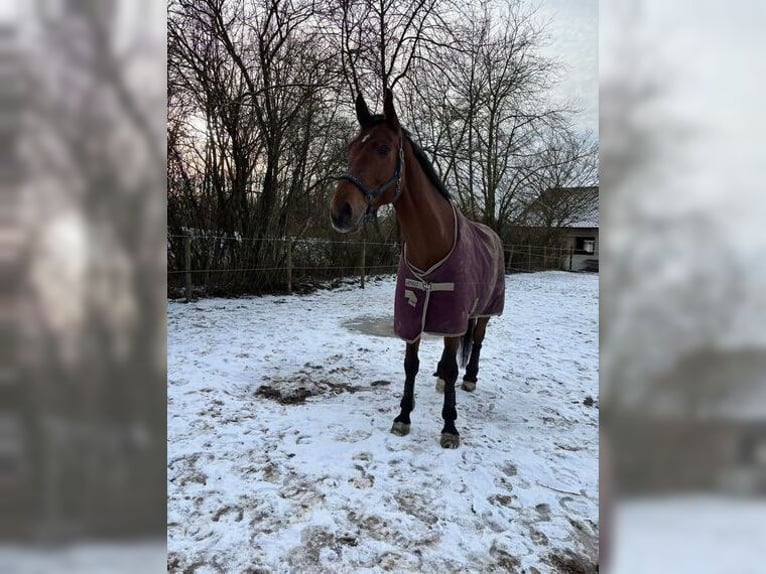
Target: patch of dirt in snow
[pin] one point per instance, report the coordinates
(311, 381)
(280, 457)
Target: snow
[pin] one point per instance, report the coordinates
(323, 486)
(694, 534)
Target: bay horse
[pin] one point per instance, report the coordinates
(451, 276)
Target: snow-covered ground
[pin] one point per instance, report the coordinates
(280, 457)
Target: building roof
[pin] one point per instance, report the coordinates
(565, 207)
(586, 212)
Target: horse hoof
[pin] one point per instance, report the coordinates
(450, 440)
(440, 385)
(400, 429)
(469, 386)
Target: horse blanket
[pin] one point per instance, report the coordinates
(469, 282)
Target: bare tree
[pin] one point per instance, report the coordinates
(380, 40)
(561, 189)
(259, 79)
(481, 109)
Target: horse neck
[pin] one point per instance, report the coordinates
(425, 217)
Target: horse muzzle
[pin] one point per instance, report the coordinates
(343, 218)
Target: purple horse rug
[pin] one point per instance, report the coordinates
(468, 283)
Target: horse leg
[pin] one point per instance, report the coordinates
(448, 366)
(411, 364)
(472, 368)
(439, 374)
(440, 371)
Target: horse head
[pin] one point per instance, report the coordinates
(375, 167)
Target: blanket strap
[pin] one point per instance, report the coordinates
(428, 288)
(423, 286)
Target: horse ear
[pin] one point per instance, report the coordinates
(388, 108)
(362, 113)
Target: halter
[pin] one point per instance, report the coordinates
(372, 195)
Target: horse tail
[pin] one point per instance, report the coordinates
(466, 344)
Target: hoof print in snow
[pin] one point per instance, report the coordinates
(366, 480)
(450, 440)
(237, 512)
(538, 537)
(571, 563)
(501, 500)
(589, 402)
(469, 386)
(348, 540)
(504, 559)
(365, 456)
(352, 436)
(416, 505)
(544, 511)
(380, 383)
(509, 469)
(400, 429)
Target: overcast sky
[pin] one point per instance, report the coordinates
(573, 32)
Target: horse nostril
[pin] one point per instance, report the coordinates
(342, 218)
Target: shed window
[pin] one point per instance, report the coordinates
(585, 245)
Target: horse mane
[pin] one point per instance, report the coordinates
(425, 163)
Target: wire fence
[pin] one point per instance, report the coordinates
(211, 264)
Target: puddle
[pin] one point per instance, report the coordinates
(376, 326)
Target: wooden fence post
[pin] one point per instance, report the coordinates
(362, 262)
(571, 252)
(290, 266)
(545, 257)
(510, 260)
(187, 257)
(529, 257)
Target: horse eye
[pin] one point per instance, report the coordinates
(384, 149)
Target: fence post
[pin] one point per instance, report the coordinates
(187, 257)
(571, 251)
(529, 257)
(362, 262)
(290, 265)
(510, 260)
(545, 257)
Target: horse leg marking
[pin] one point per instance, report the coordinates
(440, 373)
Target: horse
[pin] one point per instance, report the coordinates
(451, 274)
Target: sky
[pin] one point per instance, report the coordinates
(573, 42)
